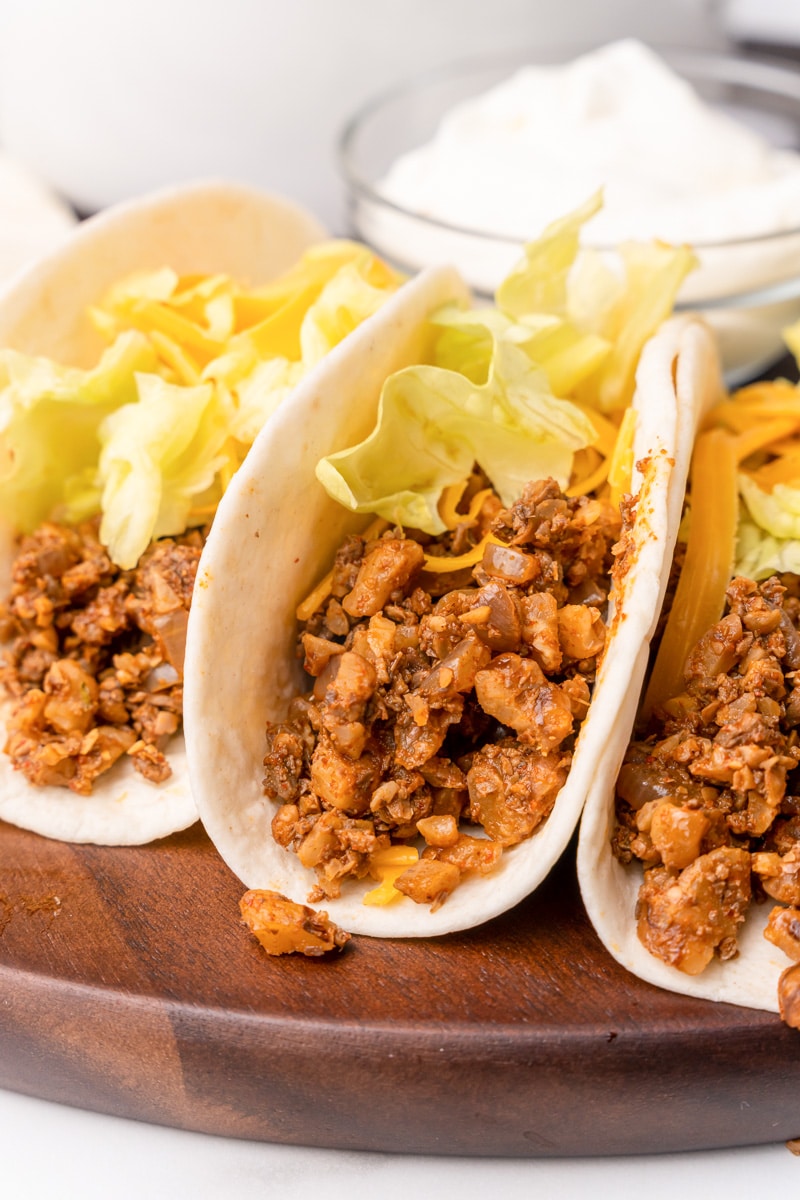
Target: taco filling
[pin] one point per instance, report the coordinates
(444, 692)
(708, 802)
(111, 476)
(94, 655)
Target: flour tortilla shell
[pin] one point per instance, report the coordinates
(610, 889)
(275, 536)
(207, 227)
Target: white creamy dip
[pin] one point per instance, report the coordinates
(510, 161)
(507, 163)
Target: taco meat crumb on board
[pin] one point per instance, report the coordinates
(452, 674)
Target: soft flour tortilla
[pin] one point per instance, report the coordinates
(208, 228)
(275, 535)
(610, 889)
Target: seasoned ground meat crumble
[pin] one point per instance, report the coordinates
(93, 655)
(443, 697)
(709, 801)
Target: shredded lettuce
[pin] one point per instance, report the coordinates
(768, 538)
(158, 456)
(152, 435)
(759, 554)
(498, 388)
(434, 424)
(776, 512)
(50, 421)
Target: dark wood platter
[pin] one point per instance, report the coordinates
(129, 986)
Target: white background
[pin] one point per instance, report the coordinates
(106, 98)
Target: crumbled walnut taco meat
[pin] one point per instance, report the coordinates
(709, 802)
(283, 927)
(93, 655)
(443, 695)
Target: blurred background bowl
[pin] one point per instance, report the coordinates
(748, 288)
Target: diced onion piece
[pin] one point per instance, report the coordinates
(700, 595)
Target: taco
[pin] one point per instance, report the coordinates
(690, 866)
(435, 521)
(136, 369)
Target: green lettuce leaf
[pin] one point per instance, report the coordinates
(540, 281)
(159, 456)
(776, 512)
(768, 538)
(50, 418)
(433, 424)
(344, 302)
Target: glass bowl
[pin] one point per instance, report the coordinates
(747, 288)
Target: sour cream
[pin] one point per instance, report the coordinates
(512, 160)
(503, 165)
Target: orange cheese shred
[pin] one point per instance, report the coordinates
(763, 435)
(457, 562)
(700, 595)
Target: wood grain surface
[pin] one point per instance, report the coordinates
(129, 986)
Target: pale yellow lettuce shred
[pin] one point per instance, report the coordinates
(535, 386)
(151, 436)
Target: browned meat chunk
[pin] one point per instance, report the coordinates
(428, 882)
(439, 830)
(676, 831)
(789, 996)
(71, 697)
(284, 763)
(420, 732)
(472, 855)
(283, 927)
(780, 874)
(344, 689)
(94, 655)
(386, 568)
(581, 631)
(540, 629)
(512, 789)
(683, 919)
(783, 930)
(420, 675)
(342, 782)
(716, 652)
(514, 690)
(496, 618)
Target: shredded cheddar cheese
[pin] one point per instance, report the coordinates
(458, 562)
(700, 595)
(387, 865)
(450, 500)
(621, 466)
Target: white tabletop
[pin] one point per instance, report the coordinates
(49, 1152)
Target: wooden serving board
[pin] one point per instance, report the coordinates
(128, 986)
